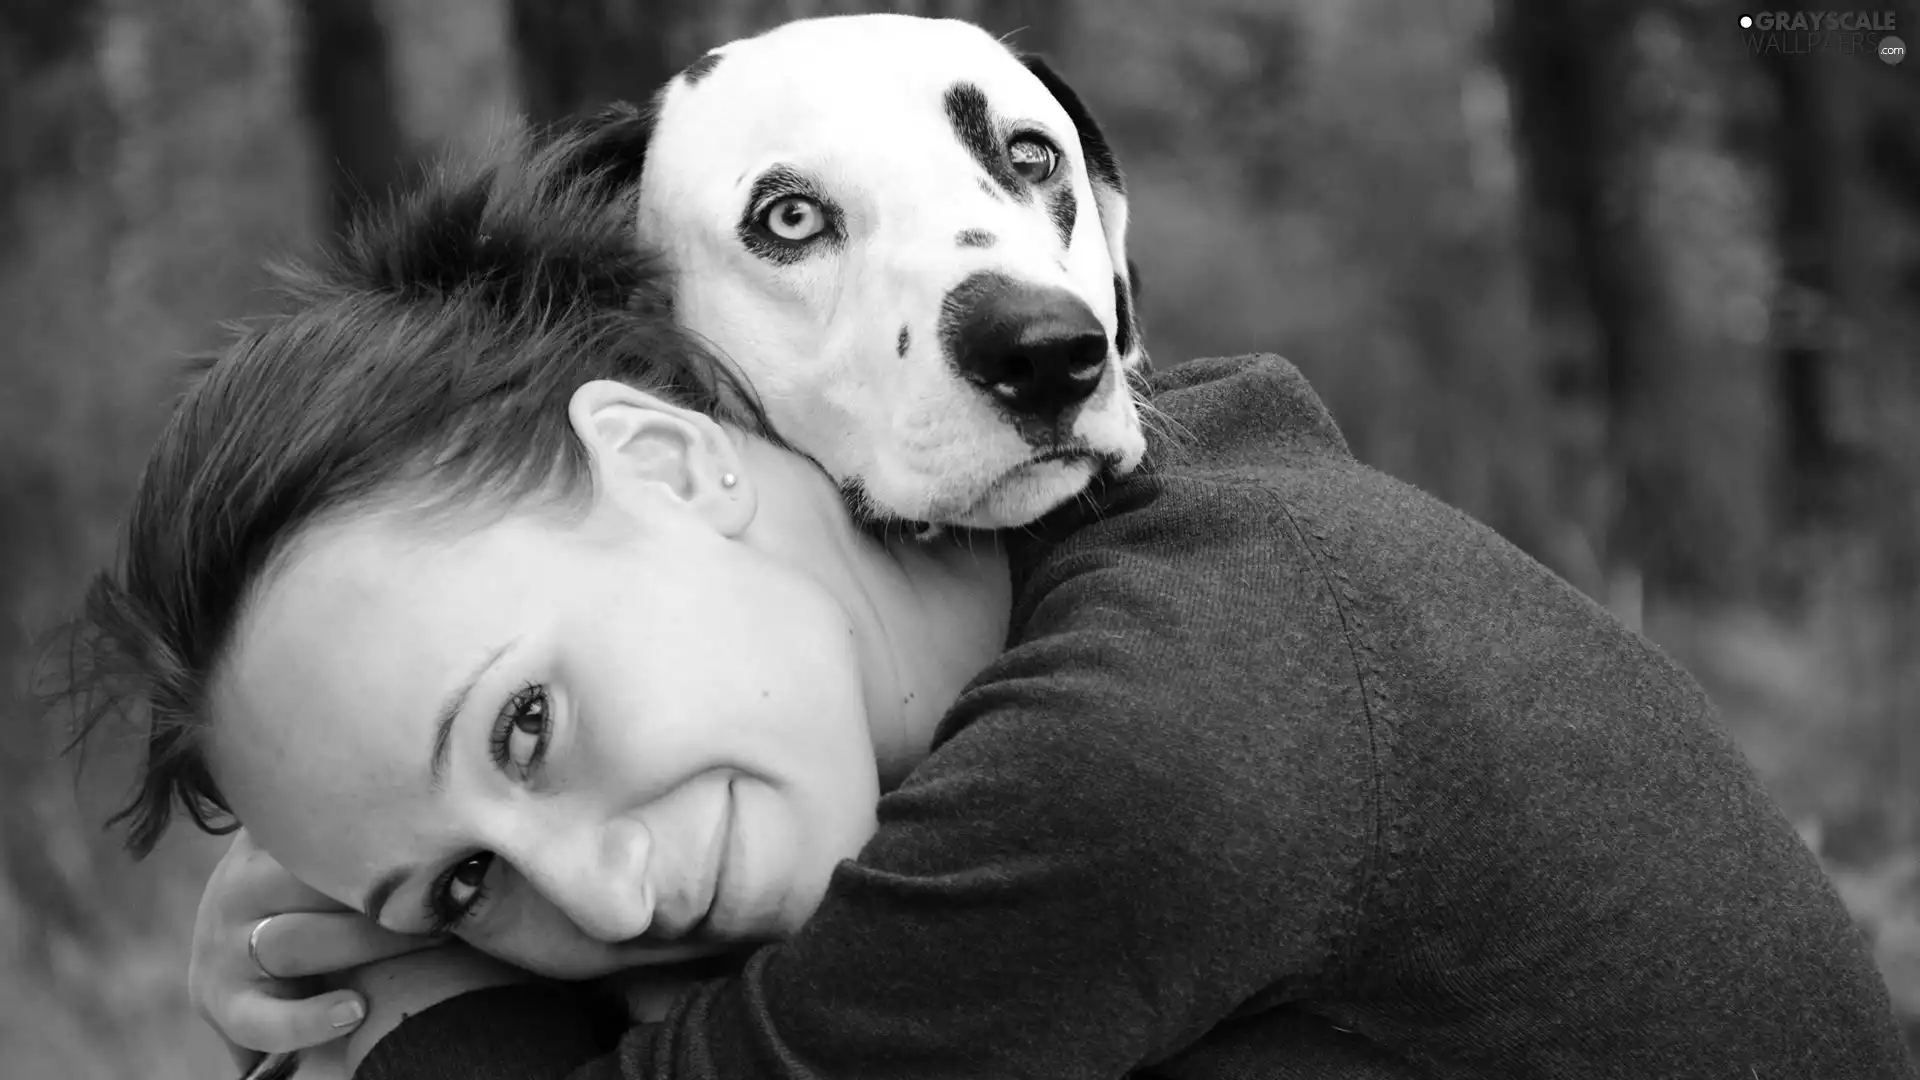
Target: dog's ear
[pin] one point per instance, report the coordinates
(1110, 199)
(607, 149)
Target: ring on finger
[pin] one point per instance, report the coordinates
(253, 947)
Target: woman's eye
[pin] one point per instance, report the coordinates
(525, 725)
(459, 893)
(463, 888)
(795, 219)
(1033, 158)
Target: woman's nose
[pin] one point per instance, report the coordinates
(597, 876)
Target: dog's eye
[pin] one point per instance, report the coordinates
(1033, 158)
(795, 218)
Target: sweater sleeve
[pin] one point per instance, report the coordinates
(1143, 814)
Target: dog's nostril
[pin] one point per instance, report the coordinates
(1041, 357)
(1047, 376)
(1013, 372)
(1086, 354)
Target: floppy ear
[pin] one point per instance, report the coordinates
(607, 149)
(1110, 199)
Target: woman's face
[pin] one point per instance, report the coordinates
(571, 743)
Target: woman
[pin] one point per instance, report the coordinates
(485, 601)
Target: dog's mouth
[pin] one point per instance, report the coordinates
(1028, 490)
(1015, 494)
(1063, 453)
(1098, 463)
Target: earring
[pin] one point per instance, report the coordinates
(727, 480)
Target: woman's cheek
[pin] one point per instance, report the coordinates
(547, 946)
(516, 927)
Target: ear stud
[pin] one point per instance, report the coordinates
(727, 480)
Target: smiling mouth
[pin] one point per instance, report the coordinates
(696, 938)
(701, 929)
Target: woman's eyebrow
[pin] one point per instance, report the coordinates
(383, 888)
(450, 711)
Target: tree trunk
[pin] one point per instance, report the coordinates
(1557, 109)
(346, 92)
(1639, 270)
(1806, 163)
(578, 55)
(53, 107)
(45, 123)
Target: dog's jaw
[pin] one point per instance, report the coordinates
(1029, 492)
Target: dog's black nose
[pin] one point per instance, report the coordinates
(1037, 349)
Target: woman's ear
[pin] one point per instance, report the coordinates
(644, 449)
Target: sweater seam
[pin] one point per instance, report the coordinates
(1338, 588)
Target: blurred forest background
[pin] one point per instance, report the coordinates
(1594, 271)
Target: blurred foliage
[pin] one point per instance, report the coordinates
(1591, 271)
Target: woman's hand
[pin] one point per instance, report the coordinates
(290, 1005)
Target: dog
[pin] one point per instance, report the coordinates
(912, 243)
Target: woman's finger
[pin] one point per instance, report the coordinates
(296, 944)
(276, 890)
(280, 1025)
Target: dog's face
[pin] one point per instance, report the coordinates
(912, 242)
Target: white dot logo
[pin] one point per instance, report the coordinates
(1892, 49)
(1746, 22)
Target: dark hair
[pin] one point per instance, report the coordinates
(431, 353)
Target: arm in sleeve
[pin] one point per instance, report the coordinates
(1138, 820)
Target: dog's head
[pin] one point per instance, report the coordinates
(913, 243)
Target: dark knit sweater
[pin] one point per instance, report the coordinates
(1288, 770)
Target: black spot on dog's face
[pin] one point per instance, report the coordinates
(905, 342)
(975, 238)
(1064, 209)
(702, 67)
(991, 191)
(1122, 316)
(973, 125)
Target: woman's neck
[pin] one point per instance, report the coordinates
(927, 617)
(941, 616)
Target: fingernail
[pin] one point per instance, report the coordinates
(346, 1013)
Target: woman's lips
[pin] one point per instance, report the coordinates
(693, 909)
(717, 867)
